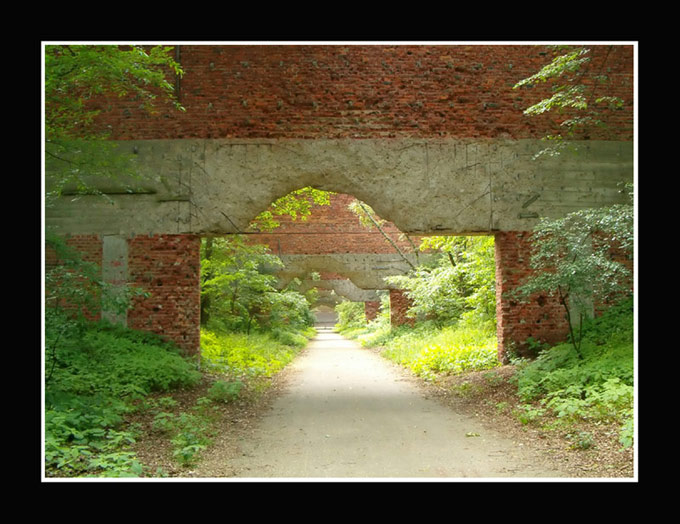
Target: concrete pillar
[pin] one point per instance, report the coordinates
(541, 318)
(371, 309)
(114, 273)
(399, 305)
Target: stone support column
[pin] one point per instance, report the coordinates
(167, 267)
(541, 318)
(399, 305)
(371, 308)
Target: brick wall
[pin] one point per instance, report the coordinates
(541, 318)
(89, 247)
(361, 91)
(331, 229)
(167, 266)
(346, 91)
(399, 306)
(371, 309)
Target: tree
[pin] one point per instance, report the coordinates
(235, 282)
(575, 260)
(239, 290)
(575, 94)
(573, 256)
(460, 281)
(77, 79)
(296, 204)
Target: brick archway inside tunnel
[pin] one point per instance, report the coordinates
(432, 137)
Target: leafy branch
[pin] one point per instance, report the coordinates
(573, 94)
(368, 218)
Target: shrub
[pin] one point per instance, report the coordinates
(223, 391)
(597, 383)
(248, 356)
(91, 383)
(449, 351)
(350, 315)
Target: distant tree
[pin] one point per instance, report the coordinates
(238, 287)
(458, 282)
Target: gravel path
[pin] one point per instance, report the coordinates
(348, 413)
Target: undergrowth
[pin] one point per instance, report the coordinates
(427, 349)
(253, 356)
(97, 373)
(94, 377)
(597, 387)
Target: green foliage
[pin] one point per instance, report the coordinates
(460, 282)
(248, 356)
(225, 391)
(296, 204)
(239, 291)
(92, 383)
(350, 315)
(598, 384)
(429, 351)
(76, 75)
(573, 95)
(572, 259)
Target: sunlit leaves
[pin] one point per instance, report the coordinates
(78, 80)
(296, 204)
(573, 98)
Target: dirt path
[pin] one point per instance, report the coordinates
(348, 413)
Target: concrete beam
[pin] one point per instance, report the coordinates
(366, 271)
(435, 186)
(344, 288)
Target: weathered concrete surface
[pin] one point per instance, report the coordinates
(366, 271)
(343, 288)
(447, 186)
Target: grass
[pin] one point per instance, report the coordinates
(99, 377)
(251, 356)
(428, 350)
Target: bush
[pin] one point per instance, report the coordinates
(223, 391)
(249, 356)
(597, 384)
(350, 315)
(451, 350)
(92, 378)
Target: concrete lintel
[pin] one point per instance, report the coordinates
(433, 186)
(366, 271)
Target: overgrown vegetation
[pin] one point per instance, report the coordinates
(590, 381)
(96, 376)
(77, 79)
(593, 383)
(453, 300)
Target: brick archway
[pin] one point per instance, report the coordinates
(432, 137)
